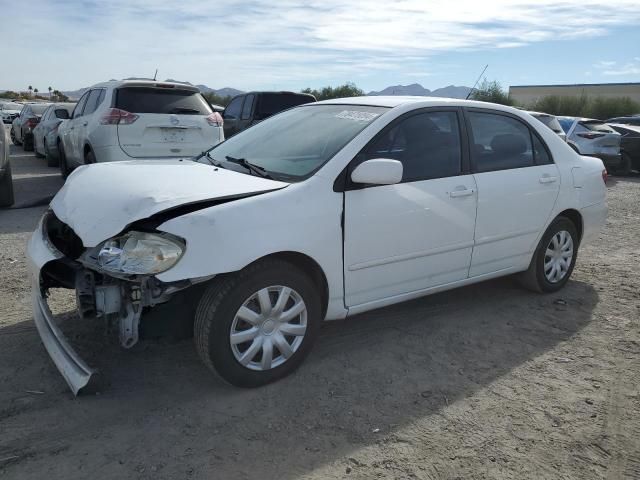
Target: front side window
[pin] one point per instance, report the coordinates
(292, 145)
(92, 101)
(427, 144)
(499, 142)
(77, 112)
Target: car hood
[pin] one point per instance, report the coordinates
(10, 112)
(98, 201)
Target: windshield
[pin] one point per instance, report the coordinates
(292, 145)
(39, 109)
(272, 103)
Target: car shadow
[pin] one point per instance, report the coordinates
(366, 378)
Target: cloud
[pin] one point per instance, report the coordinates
(261, 43)
(612, 68)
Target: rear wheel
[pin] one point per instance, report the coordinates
(554, 259)
(257, 325)
(6, 188)
(51, 160)
(89, 157)
(14, 138)
(62, 161)
(625, 166)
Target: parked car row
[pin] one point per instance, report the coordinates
(9, 111)
(615, 141)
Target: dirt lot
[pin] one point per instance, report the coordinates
(487, 381)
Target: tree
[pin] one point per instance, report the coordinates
(50, 92)
(30, 89)
(35, 90)
(349, 89)
(216, 99)
(59, 96)
(491, 92)
(584, 106)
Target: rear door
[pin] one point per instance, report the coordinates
(167, 121)
(69, 137)
(518, 184)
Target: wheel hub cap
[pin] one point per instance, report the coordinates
(558, 257)
(268, 328)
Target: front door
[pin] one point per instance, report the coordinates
(419, 233)
(518, 184)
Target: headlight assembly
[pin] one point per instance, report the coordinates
(140, 253)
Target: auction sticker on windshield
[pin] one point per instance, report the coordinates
(357, 116)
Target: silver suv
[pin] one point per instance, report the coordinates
(594, 138)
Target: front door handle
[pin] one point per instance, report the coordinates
(461, 192)
(548, 179)
(85, 124)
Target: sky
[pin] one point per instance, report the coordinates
(293, 44)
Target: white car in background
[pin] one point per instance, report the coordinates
(46, 132)
(10, 111)
(137, 119)
(320, 212)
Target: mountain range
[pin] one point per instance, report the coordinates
(415, 89)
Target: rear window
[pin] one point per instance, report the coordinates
(597, 126)
(550, 121)
(272, 103)
(11, 106)
(156, 100)
(39, 109)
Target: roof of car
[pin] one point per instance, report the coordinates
(132, 82)
(531, 112)
(395, 101)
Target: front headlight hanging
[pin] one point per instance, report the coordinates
(140, 253)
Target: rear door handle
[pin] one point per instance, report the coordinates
(461, 192)
(85, 124)
(548, 179)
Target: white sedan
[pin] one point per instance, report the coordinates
(318, 213)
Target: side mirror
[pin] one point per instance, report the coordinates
(62, 114)
(379, 171)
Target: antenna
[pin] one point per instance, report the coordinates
(474, 85)
(155, 74)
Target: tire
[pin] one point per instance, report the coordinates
(35, 150)
(51, 161)
(62, 161)
(625, 166)
(27, 143)
(537, 277)
(6, 188)
(217, 317)
(12, 134)
(89, 157)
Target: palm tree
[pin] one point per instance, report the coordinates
(35, 90)
(30, 89)
(50, 93)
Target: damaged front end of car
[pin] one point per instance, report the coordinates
(114, 281)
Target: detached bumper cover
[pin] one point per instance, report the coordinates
(75, 371)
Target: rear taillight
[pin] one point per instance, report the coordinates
(605, 175)
(591, 136)
(215, 119)
(116, 116)
(32, 122)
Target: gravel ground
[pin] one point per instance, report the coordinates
(487, 381)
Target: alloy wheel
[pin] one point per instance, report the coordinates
(268, 328)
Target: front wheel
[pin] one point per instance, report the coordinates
(554, 259)
(14, 139)
(62, 161)
(51, 160)
(257, 325)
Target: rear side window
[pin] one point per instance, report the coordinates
(62, 113)
(248, 106)
(39, 109)
(92, 102)
(272, 103)
(565, 123)
(499, 142)
(77, 112)
(427, 144)
(597, 126)
(161, 100)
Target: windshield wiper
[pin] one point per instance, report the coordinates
(209, 158)
(256, 169)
